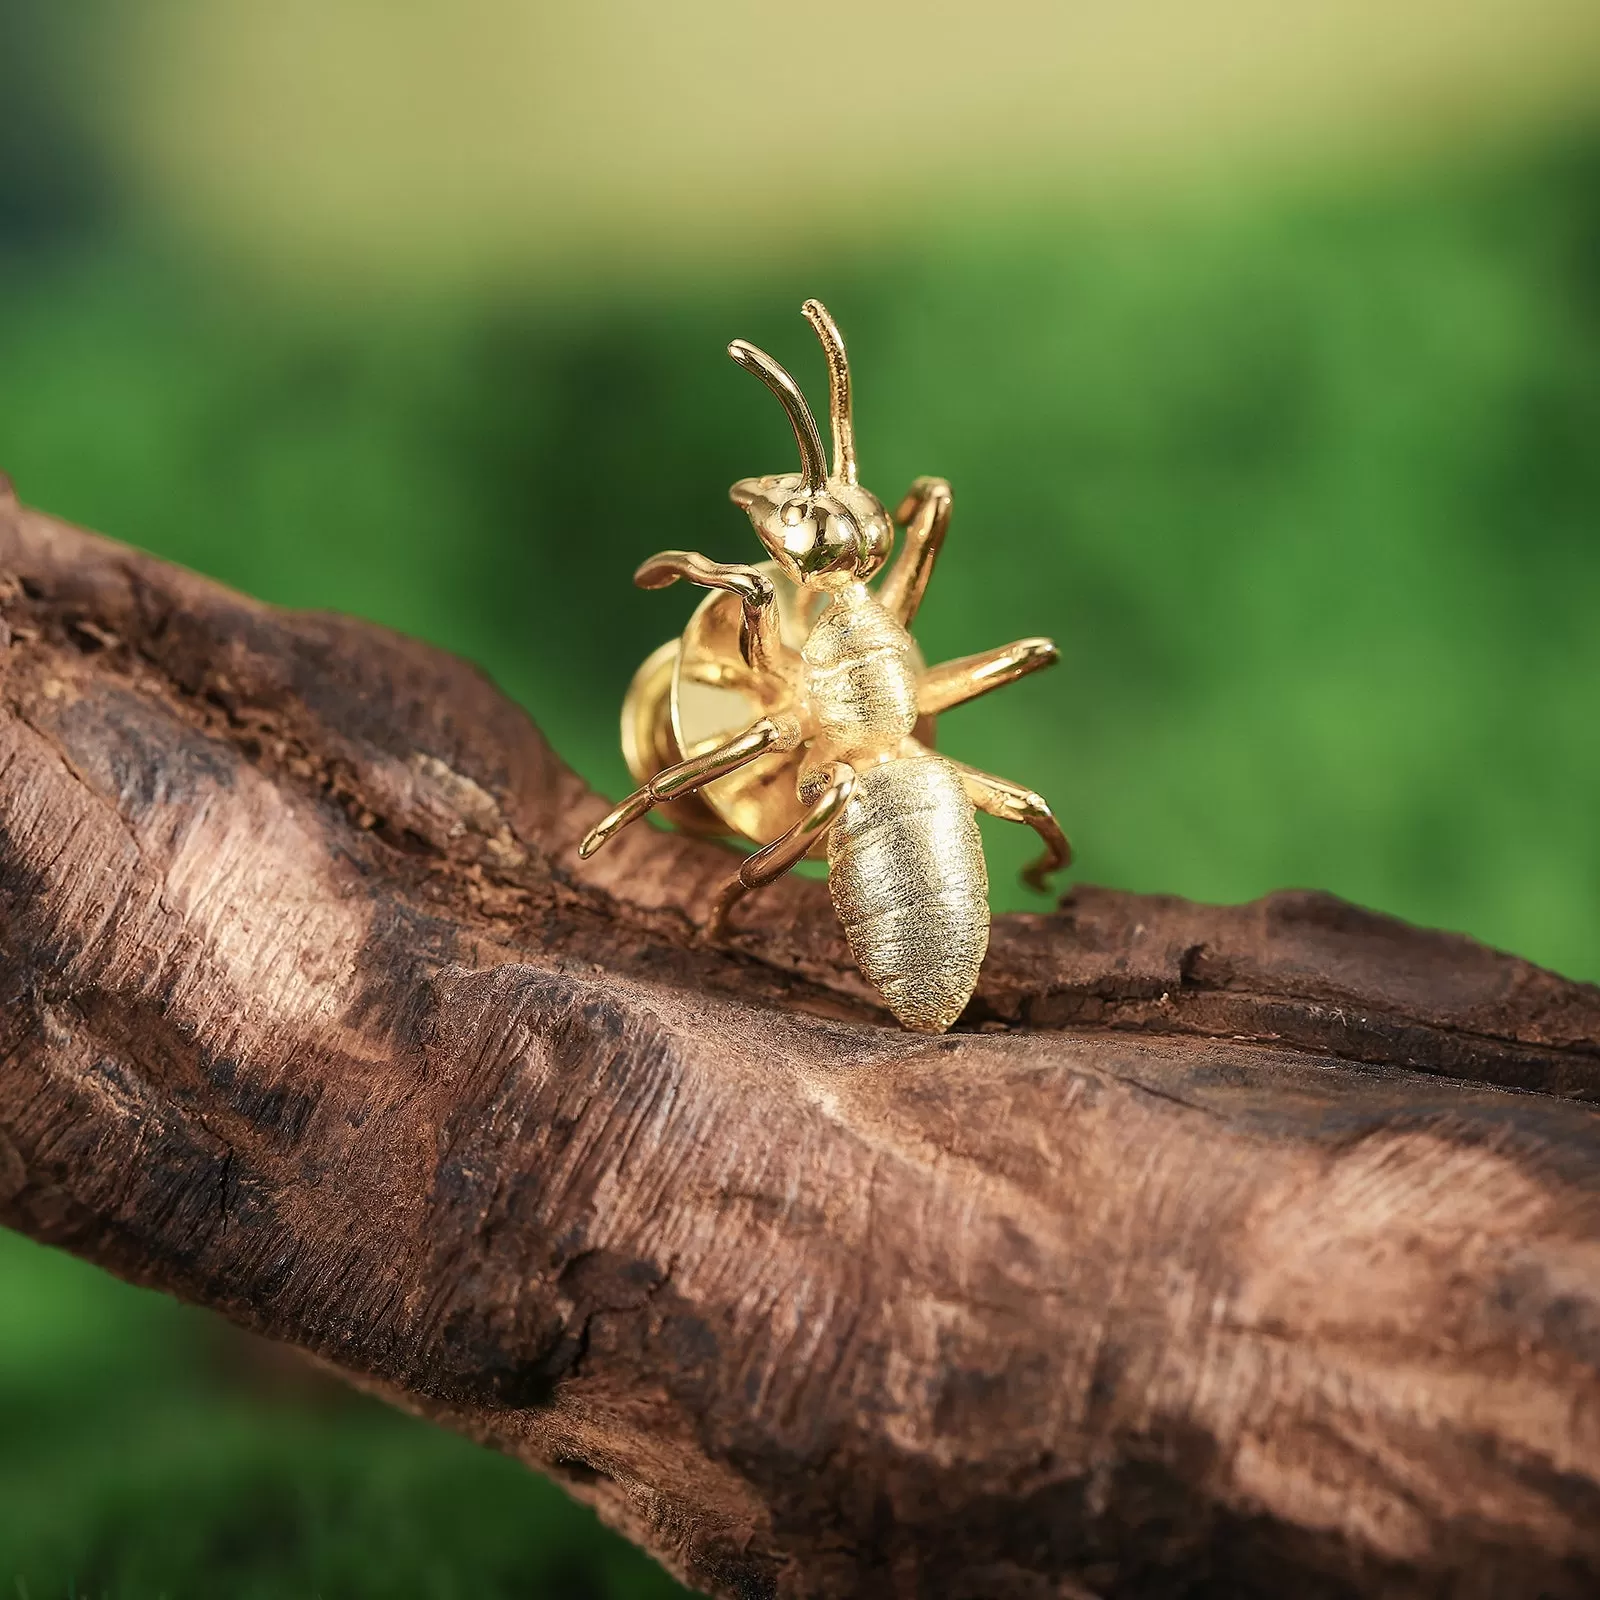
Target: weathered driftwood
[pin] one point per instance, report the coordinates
(1225, 1251)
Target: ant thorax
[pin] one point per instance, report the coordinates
(860, 680)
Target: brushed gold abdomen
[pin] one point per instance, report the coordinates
(907, 875)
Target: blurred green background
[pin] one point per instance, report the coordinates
(1262, 347)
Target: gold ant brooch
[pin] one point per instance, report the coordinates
(796, 712)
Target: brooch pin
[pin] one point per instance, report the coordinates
(796, 712)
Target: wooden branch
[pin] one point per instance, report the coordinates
(1219, 1253)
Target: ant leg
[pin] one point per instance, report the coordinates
(925, 515)
(775, 859)
(781, 732)
(953, 683)
(1012, 803)
(758, 638)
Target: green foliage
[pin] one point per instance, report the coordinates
(1307, 491)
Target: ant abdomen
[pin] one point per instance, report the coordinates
(909, 885)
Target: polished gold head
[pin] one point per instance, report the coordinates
(823, 529)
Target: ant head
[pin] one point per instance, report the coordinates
(822, 528)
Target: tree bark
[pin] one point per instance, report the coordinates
(1220, 1251)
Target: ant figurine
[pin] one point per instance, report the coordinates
(838, 758)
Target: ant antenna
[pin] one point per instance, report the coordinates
(844, 436)
(813, 465)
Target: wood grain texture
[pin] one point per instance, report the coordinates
(1220, 1252)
